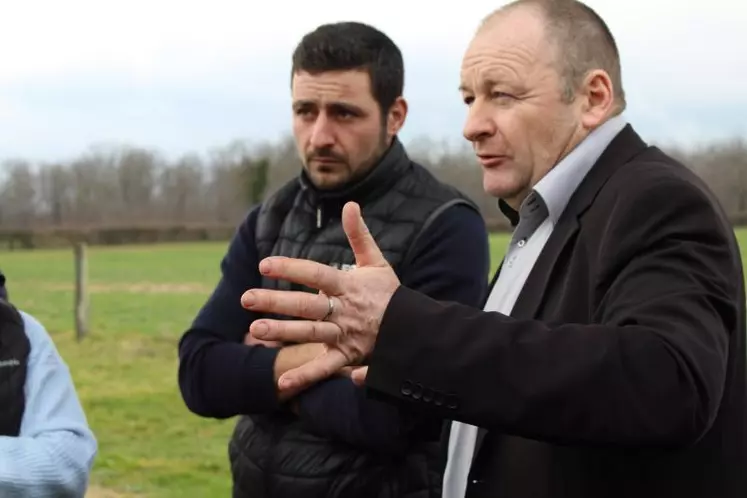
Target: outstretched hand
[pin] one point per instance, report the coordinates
(345, 315)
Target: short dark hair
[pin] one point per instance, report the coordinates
(584, 43)
(349, 46)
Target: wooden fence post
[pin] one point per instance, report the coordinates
(81, 290)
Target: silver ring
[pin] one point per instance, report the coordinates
(330, 309)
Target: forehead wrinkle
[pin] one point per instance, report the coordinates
(511, 59)
(331, 86)
(488, 67)
(315, 91)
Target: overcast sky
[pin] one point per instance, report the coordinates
(185, 76)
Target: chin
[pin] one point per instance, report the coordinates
(506, 185)
(327, 181)
(502, 190)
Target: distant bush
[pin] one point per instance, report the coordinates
(52, 237)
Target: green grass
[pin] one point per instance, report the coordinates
(142, 298)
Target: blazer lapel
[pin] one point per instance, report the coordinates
(622, 148)
(536, 285)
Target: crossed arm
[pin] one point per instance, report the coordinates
(220, 376)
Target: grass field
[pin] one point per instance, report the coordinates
(142, 298)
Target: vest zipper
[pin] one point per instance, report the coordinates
(319, 217)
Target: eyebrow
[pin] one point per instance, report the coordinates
(333, 105)
(486, 84)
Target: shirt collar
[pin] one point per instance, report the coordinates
(558, 185)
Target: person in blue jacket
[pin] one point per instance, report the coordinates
(46, 446)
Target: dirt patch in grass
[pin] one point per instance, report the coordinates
(99, 492)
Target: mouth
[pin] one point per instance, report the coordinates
(325, 160)
(491, 160)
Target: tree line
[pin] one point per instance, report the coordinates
(129, 194)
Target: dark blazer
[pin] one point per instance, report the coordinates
(622, 370)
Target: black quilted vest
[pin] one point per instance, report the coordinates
(14, 352)
(275, 456)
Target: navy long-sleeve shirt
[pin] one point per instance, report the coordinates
(221, 377)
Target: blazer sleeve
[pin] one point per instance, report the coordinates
(649, 370)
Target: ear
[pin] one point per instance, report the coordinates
(598, 98)
(396, 116)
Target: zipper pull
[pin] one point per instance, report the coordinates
(319, 217)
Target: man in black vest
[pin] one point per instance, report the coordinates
(330, 440)
(46, 446)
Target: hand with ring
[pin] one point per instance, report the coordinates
(345, 315)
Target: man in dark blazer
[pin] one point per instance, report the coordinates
(609, 359)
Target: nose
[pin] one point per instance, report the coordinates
(479, 124)
(322, 133)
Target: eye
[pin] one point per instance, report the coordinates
(305, 113)
(468, 100)
(500, 96)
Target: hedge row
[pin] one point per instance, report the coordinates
(52, 237)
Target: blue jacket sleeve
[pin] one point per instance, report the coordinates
(220, 376)
(450, 262)
(55, 449)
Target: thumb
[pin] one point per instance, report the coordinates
(367, 253)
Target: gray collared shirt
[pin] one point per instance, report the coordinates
(538, 215)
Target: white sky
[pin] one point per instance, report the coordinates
(186, 76)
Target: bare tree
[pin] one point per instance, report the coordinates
(110, 186)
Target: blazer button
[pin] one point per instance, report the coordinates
(438, 398)
(427, 395)
(406, 388)
(417, 391)
(452, 402)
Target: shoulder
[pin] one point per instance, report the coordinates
(250, 220)
(421, 183)
(39, 339)
(656, 200)
(242, 248)
(245, 231)
(454, 219)
(450, 259)
(652, 173)
(458, 216)
(456, 226)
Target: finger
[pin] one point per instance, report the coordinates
(304, 272)
(367, 252)
(297, 304)
(310, 373)
(250, 340)
(295, 331)
(359, 376)
(346, 372)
